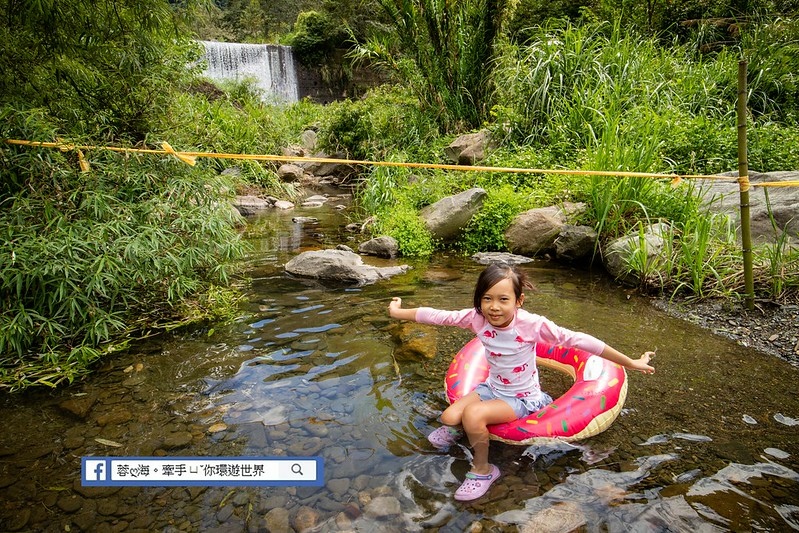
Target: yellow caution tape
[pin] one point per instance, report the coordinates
(190, 158)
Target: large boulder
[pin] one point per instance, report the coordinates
(575, 243)
(722, 196)
(470, 148)
(329, 168)
(651, 242)
(446, 218)
(339, 266)
(535, 231)
(250, 205)
(290, 173)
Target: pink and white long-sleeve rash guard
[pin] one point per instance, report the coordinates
(511, 350)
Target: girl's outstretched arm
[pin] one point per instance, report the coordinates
(641, 364)
(395, 310)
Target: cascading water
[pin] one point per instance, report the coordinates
(270, 65)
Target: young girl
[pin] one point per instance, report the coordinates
(509, 335)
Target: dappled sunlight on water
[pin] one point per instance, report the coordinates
(705, 444)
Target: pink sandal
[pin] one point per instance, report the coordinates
(476, 485)
(444, 437)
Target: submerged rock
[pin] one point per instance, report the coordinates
(339, 266)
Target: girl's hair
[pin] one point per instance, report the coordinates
(496, 272)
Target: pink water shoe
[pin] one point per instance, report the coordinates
(476, 485)
(444, 437)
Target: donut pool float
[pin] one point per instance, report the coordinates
(587, 408)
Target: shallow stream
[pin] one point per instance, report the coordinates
(708, 443)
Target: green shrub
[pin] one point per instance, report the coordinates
(404, 224)
(387, 119)
(316, 36)
(486, 230)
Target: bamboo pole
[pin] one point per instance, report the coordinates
(743, 184)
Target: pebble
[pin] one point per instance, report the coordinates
(69, 503)
(178, 439)
(382, 507)
(305, 519)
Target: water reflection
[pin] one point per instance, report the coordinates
(709, 443)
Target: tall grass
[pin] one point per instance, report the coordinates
(445, 52)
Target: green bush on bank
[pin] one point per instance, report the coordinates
(88, 259)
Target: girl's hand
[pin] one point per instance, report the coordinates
(642, 364)
(394, 305)
(395, 310)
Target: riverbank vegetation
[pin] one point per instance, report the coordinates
(100, 248)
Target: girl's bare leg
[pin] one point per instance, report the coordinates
(453, 415)
(475, 417)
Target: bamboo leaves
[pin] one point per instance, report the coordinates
(81, 264)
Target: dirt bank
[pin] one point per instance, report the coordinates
(772, 328)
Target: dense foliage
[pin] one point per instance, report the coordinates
(99, 247)
(445, 51)
(98, 68)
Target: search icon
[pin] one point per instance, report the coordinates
(296, 469)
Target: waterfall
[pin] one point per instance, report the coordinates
(270, 65)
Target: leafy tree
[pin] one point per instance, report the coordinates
(316, 37)
(98, 66)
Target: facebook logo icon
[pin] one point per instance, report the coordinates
(94, 470)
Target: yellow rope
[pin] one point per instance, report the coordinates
(777, 184)
(191, 157)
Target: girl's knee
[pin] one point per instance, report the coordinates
(473, 416)
(450, 418)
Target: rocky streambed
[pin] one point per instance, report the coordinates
(771, 327)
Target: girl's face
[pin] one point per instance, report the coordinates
(499, 303)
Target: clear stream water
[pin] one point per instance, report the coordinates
(708, 443)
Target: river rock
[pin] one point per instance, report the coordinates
(309, 140)
(115, 417)
(277, 521)
(486, 258)
(446, 218)
(69, 503)
(535, 231)
(414, 342)
(290, 173)
(250, 205)
(305, 519)
(79, 406)
(384, 246)
(616, 255)
(338, 486)
(19, 520)
(283, 204)
(722, 196)
(327, 168)
(339, 266)
(178, 439)
(564, 516)
(470, 148)
(575, 243)
(382, 507)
